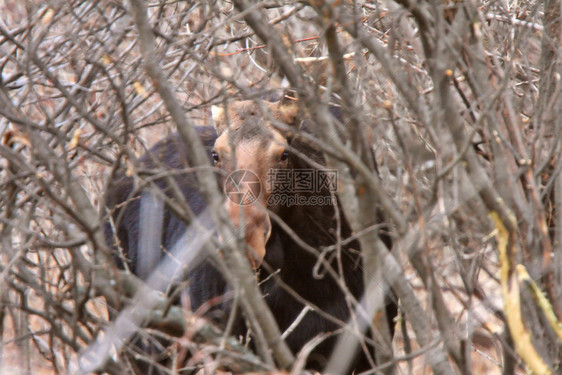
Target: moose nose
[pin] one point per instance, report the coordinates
(254, 221)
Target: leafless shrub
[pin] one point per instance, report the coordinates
(459, 100)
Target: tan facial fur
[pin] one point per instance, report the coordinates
(247, 141)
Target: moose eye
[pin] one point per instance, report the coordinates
(215, 156)
(284, 156)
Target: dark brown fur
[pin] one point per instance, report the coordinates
(260, 146)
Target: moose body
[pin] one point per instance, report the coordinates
(124, 199)
(291, 275)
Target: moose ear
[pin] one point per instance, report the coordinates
(217, 113)
(287, 109)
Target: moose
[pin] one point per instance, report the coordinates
(292, 203)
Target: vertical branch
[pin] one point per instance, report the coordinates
(360, 208)
(549, 113)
